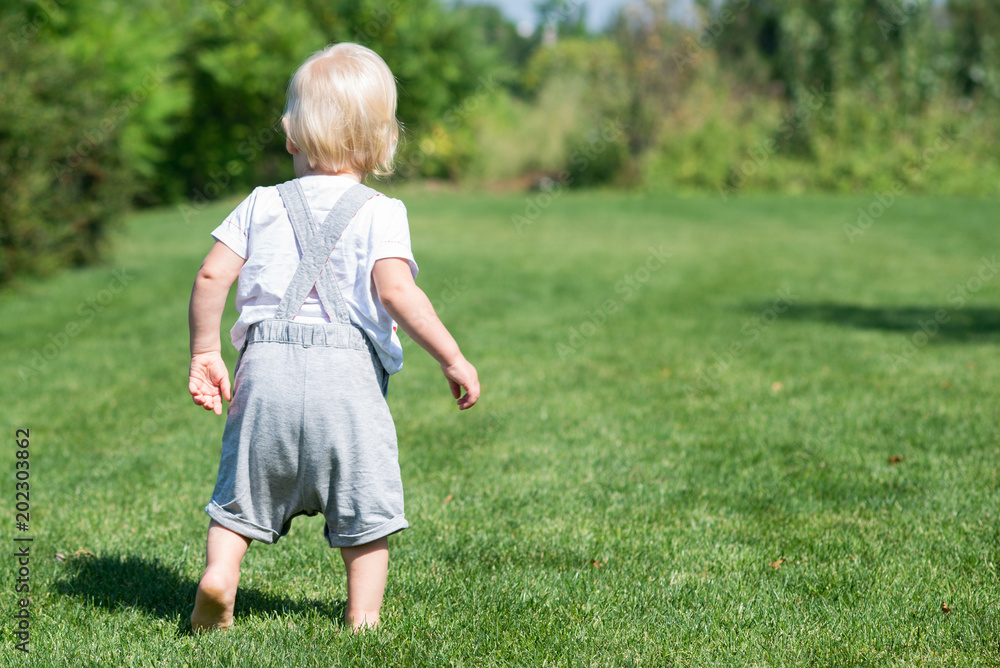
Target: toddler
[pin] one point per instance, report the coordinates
(325, 273)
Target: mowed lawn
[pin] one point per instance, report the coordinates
(711, 434)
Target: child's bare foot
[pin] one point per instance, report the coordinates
(213, 604)
(362, 622)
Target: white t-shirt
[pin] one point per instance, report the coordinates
(259, 231)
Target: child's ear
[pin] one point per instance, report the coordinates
(289, 144)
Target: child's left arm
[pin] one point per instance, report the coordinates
(208, 381)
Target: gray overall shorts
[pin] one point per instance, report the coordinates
(308, 430)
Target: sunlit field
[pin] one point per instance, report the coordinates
(752, 432)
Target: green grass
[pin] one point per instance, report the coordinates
(691, 479)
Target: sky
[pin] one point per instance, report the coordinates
(599, 12)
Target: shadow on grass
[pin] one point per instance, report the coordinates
(949, 322)
(115, 582)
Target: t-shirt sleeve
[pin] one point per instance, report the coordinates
(391, 236)
(234, 230)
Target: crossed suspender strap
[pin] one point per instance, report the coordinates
(316, 245)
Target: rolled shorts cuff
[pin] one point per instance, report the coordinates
(397, 523)
(240, 525)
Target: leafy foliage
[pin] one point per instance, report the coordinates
(71, 155)
(108, 103)
(181, 100)
(239, 59)
(820, 95)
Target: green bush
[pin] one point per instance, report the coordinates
(837, 97)
(570, 126)
(107, 103)
(239, 58)
(87, 95)
(111, 103)
(65, 181)
(717, 142)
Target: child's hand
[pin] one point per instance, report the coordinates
(208, 381)
(462, 374)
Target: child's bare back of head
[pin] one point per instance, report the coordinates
(341, 111)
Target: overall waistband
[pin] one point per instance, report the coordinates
(332, 334)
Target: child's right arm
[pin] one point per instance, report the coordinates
(410, 307)
(208, 379)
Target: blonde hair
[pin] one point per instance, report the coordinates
(341, 110)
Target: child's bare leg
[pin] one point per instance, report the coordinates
(367, 570)
(213, 604)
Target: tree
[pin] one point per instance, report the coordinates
(240, 59)
(72, 155)
(976, 45)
